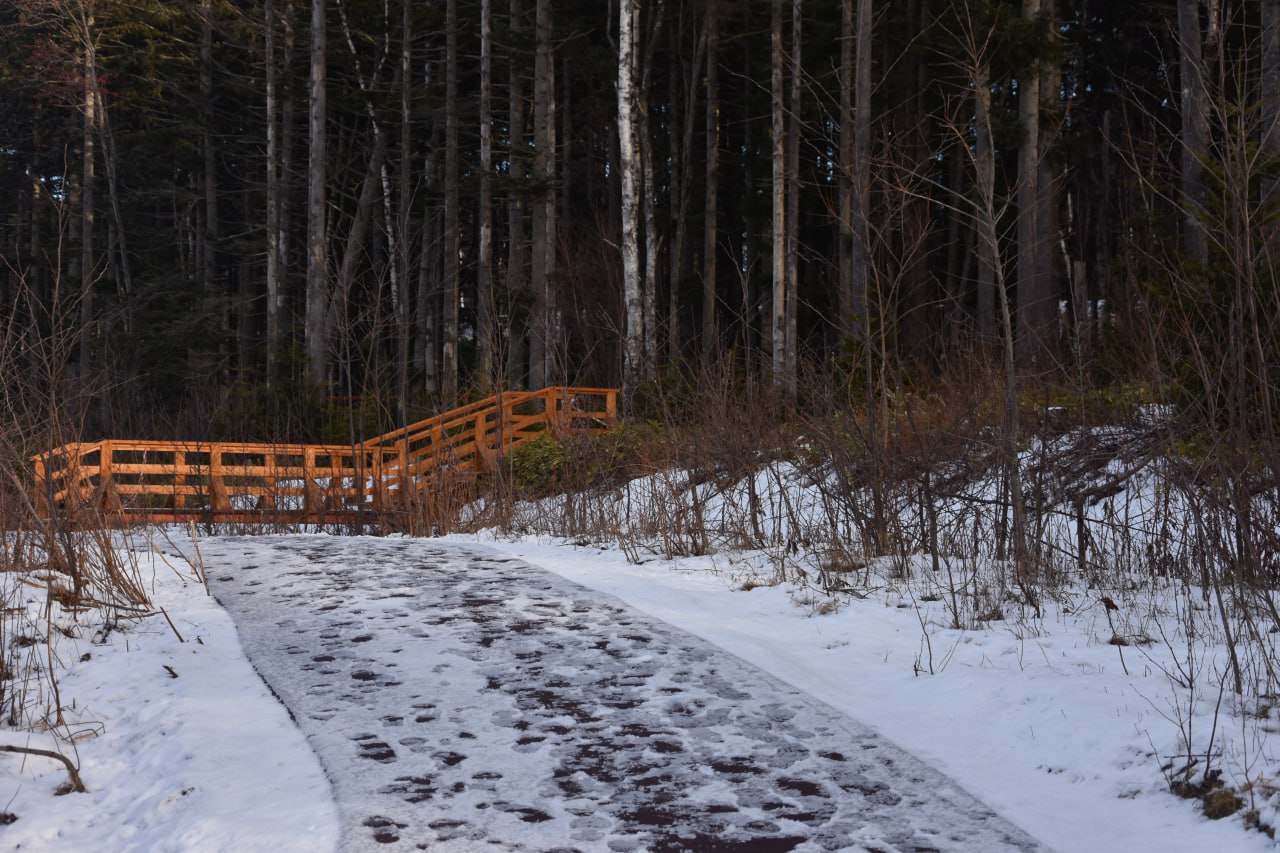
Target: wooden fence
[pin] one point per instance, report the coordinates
(235, 481)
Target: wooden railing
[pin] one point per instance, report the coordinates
(163, 481)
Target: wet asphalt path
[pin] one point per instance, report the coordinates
(460, 700)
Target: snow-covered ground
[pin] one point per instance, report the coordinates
(183, 748)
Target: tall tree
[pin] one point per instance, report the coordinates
(452, 237)
(273, 196)
(88, 259)
(778, 233)
(856, 314)
(1195, 132)
(711, 191)
(317, 308)
(793, 200)
(1036, 305)
(542, 348)
(484, 248)
(629, 171)
(517, 254)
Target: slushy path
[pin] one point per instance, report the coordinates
(460, 700)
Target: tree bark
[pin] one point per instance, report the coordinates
(484, 250)
(859, 321)
(793, 199)
(1270, 66)
(629, 172)
(317, 342)
(778, 237)
(644, 142)
(541, 346)
(517, 313)
(273, 198)
(711, 190)
(1194, 130)
(984, 164)
(844, 180)
(88, 262)
(403, 212)
(449, 343)
(208, 153)
(1030, 293)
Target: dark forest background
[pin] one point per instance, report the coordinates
(256, 219)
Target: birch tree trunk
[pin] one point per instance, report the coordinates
(629, 169)
(317, 343)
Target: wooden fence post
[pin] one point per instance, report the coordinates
(312, 499)
(42, 501)
(218, 498)
(179, 478)
(108, 499)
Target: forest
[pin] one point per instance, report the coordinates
(965, 308)
(237, 218)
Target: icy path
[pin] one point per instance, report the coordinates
(460, 700)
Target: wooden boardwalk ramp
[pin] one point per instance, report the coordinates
(165, 481)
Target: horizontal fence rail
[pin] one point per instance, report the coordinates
(166, 481)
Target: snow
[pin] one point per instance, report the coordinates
(180, 745)
(1047, 729)
(1038, 718)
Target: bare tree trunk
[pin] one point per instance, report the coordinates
(629, 172)
(404, 197)
(288, 108)
(543, 262)
(209, 155)
(88, 263)
(844, 184)
(517, 318)
(449, 348)
(652, 242)
(859, 322)
(1030, 286)
(711, 192)
(778, 137)
(1194, 130)
(793, 199)
(317, 343)
(273, 198)
(984, 164)
(353, 250)
(484, 251)
(1270, 66)
(110, 162)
